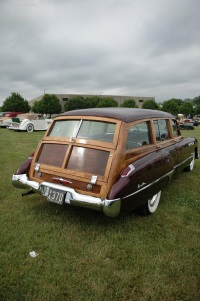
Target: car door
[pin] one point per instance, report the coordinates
(39, 123)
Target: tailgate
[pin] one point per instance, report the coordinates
(77, 153)
(83, 168)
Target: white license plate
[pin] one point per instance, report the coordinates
(56, 196)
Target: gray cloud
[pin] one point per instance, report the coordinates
(130, 47)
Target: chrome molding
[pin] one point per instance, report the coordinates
(169, 173)
(183, 162)
(154, 182)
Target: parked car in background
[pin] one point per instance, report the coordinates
(30, 122)
(2, 114)
(189, 122)
(186, 124)
(8, 115)
(197, 117)
(196, 120)
(108, 159)
(6, 123)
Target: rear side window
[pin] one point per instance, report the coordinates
(161, 130)
(138, 135)
(175, 128)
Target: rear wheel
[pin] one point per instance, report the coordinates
(30, 128)
(150, 206)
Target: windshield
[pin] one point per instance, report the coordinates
(85, 129)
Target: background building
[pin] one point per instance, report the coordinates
(65, 97)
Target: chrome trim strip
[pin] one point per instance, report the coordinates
(132, 167)
(81, 120)
(159, 178)
(183, 162)
(149, 185)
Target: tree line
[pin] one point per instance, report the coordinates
(50, 104)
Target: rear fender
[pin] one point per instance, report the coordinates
(25, 167)
(153, 166)
(24, 123)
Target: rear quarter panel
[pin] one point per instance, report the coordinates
(151, 174)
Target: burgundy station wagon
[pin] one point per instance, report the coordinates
(108, 159)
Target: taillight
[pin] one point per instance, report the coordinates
(126, 172)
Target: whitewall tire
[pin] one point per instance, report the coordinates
(30, 128)
(191, 166)
(150, 206)
(153, 202)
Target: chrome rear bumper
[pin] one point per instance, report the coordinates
(109, 207)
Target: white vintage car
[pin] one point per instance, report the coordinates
(30, 122)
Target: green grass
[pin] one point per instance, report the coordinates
(84, 255)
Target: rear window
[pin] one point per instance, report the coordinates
(88, 160)
(52, 154)
(85, 129)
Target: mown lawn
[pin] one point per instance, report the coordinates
(83, 255)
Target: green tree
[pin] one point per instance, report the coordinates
(36, 106)
(177, 100)
(150, 104)
(15, 103)
(91, 101)
(75, 103)
(49, 104)
(196, 101)
(129, 103)
(107, 102)
(171, 106)
(197, 110)
(187, 108)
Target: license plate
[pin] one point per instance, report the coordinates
(56, 196)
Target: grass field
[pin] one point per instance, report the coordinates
(83, 255)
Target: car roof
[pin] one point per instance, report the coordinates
(124, 114)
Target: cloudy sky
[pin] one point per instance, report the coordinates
(115, 47)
